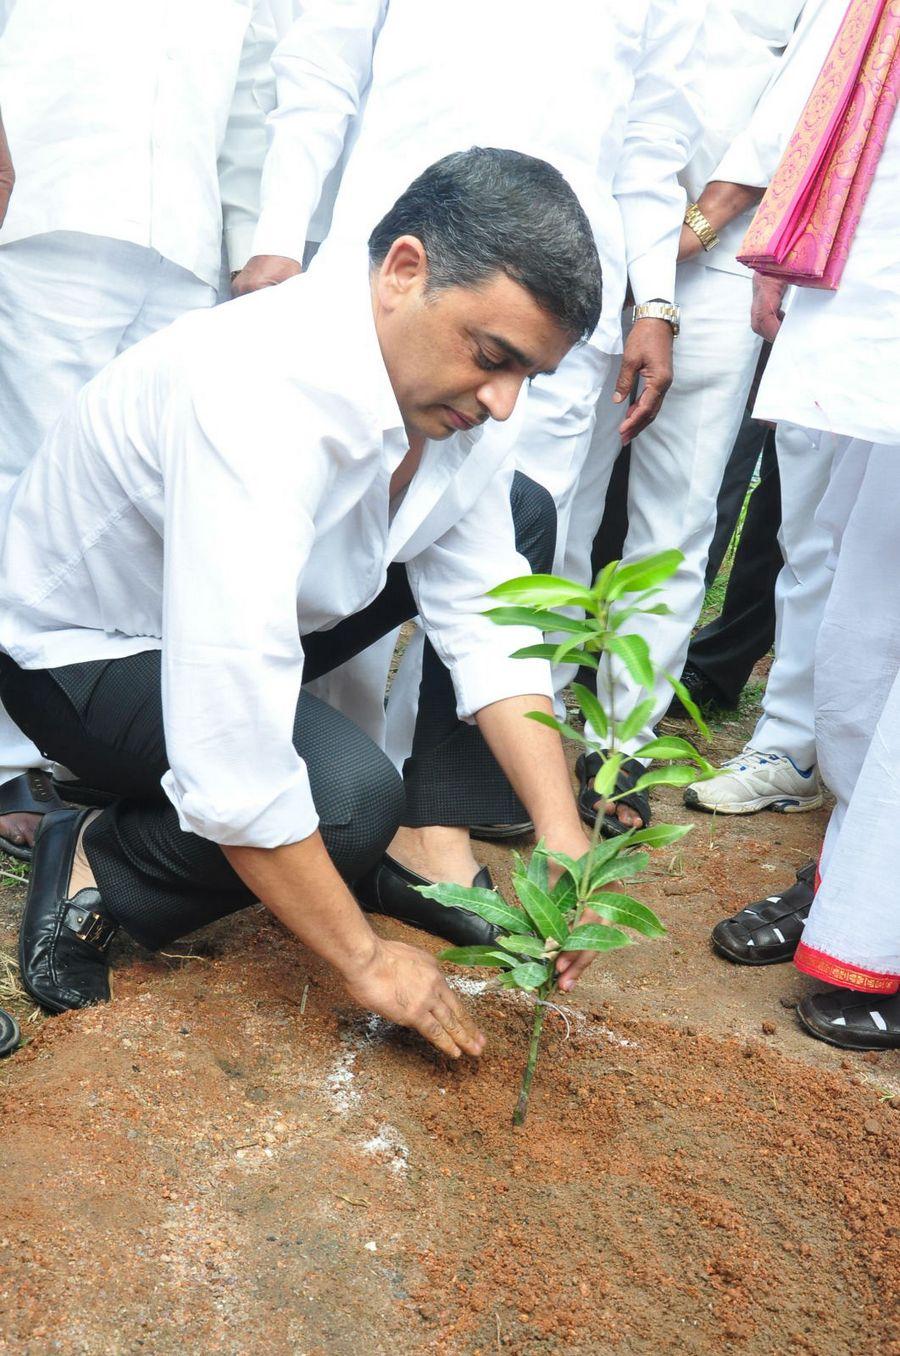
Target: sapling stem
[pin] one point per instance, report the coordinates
(522, 1104)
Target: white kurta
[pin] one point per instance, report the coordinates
(221, 488)
(603, 92)
(141, 120)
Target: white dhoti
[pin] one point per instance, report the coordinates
(852, 937)
(68, 304)
(677, 465)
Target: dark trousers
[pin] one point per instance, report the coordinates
(727, 648)
(103, 720)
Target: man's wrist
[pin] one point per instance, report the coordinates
(658, 309)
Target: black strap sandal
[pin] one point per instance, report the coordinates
(851, 1020)
(29, 794)
(767, 932)
(586, 769)
(10, 1035)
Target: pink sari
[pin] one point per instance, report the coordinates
(804, 226)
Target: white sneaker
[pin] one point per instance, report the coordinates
(757, 781)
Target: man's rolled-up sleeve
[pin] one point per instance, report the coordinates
(238, 532)
(661, 134)
(450, 581)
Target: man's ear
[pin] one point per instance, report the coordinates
(404, 271)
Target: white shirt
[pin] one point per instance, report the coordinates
(744, 41)
(834, 364)
(142, 120)
(222, 487)
(602, 91)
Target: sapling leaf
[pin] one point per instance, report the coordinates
(533, 616)
(530, 975)
(600, 586)
(485, 904)
(522, 946)
(476, 955)
(536, 870)
(565, 649)
(635, 720)
(596, 937)
(605, 780)
(541, 909)
(620, 868)
(688, 703)
(591, 708)
(631, 913)
(567, 731)
(670, 746)
(661, 835)
(675, 774)
(635, 655)
(547, 651)
(645, 574)
(542, 590)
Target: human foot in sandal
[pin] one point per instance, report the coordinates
(768, 931)
(632, 811)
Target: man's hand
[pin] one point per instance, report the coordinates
(405, 985)
(263, 270)
(648, 355)
(766, 314)
(571, 965)
(7, 174)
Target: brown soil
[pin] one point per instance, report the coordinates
(229, 1159)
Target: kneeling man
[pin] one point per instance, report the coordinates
(242, 502)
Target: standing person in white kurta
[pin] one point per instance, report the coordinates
(677, 464)
(137, 130)
(827, 372)
(777, 769)
(618, 119)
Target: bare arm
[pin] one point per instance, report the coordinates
(301, 887)
(7, 173)
(720, 203)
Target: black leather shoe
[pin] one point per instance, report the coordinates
(389, 888)
(701, 690)
(32, 793)
(10, 1036)
(62, 941)
(767, 932)
(851, 1020)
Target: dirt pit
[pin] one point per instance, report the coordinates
(230, 1159)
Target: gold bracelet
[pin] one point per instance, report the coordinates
(702, 229)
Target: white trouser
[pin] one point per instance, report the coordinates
(552, 447)
(801, 592)
(677, 465)
(856, 914)
(68, 304)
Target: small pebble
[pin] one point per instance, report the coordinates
(872, 1127)
(787, 1002)
(769, 1028)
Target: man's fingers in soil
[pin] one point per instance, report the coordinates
(576, 969)
(460, 1027)
(432, 1028)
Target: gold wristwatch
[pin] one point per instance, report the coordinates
(703, 230)
(659, 310)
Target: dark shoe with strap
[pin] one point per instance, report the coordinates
(31, 793)
(10, 1035)
(498, 833)
(62, 941)
(767, 932)
(586, 768)
(851, 1020)
(389, 888)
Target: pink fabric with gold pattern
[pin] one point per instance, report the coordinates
(804, 226)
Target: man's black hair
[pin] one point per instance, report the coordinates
(484, 211)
